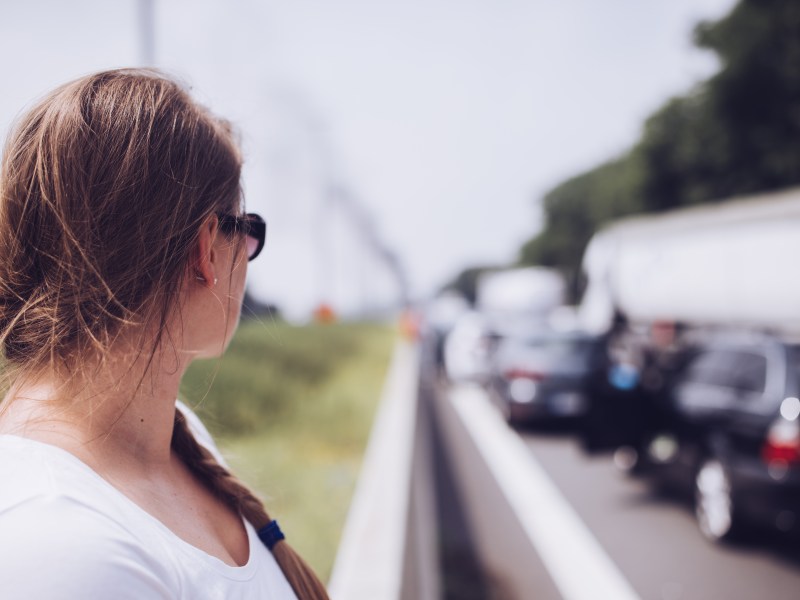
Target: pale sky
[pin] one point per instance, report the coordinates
(444, 120)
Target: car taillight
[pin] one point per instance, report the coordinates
(783, 443)
(517, 373)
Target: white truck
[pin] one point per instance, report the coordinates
(508, 301)
(523, 291)
(732, 264)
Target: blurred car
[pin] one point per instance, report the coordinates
(732, 436)
(467, 348)
(440, 316)
(543, 375)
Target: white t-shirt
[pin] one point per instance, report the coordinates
(68, 534)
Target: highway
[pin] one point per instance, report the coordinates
(649, 539)
(653, 539)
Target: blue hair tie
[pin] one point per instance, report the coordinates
(270, 534)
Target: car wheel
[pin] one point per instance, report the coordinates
(714, 505)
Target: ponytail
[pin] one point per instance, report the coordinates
(235, 494)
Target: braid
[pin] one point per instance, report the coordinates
(235, 494)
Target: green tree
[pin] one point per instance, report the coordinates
(737, 133)
(575, 209)
(756, 95)
(466, 282)
(683, 152)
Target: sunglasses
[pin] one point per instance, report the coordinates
(251, 225)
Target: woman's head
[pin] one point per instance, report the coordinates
(104, 188)
(118, 196)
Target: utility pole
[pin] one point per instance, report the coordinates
(337, 201)
(147, 32)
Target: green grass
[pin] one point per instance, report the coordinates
(291, 408)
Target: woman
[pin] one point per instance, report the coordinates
(123, 253)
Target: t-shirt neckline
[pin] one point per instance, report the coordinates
(241, 572)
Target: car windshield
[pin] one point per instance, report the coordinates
(574, 349)
(794, 362)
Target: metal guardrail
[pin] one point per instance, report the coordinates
(516, 516)
(386, 551)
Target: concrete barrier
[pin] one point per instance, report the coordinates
(388, 548)
(529, 540)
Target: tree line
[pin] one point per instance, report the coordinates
(736, 133)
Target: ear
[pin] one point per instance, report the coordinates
(205, 257)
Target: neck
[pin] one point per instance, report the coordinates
(120, 412)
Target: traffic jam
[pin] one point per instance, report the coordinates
(679, 365)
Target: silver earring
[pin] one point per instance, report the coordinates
(203, 279)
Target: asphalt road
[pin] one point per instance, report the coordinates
(653, 539)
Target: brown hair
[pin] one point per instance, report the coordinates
(104, 187)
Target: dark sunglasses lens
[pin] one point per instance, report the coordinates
(256, 235)
(252, 246)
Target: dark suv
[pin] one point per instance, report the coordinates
(731, 431)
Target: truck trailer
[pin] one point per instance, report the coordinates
(733, 264)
